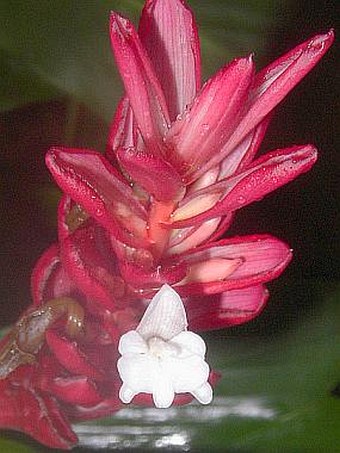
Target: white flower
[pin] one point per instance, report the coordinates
(161, 357)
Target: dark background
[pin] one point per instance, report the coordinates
(304, 213)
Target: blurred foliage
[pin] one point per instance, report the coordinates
(19, 84)
(63, 47)
(294, 375)
(14, 446)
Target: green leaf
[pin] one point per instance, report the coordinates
(230, 28)
(20, 84)
(4, 331)
(290, 380)
(13, 446)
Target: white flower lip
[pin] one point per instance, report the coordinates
(161, 357)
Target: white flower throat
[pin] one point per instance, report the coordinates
(161, 357)
(162, 349)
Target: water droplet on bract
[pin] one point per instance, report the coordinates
(241, 199)
(204, 129)
(99, 212)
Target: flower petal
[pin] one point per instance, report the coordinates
(37, 415)
(126, 394)
(132, 343)
(75, 390)
(270, 172)
(223, 226)
(203, 394)
(227, 309)
(189, 343)
(49, 279)
(260, 258)
(165, 316)
(141, 279)
(107, 406)
(163, 392)
(168, 31)
(70, 356)
(144, 399)
(123, 131)
(244, 152)
(197, 206)
(207, 179)
(212, 269)
(264, 175)
(94, 272)
(93, 183)
(275, 81)
(51, 423)
(138, 372)
(153, 173)
(187, 374)
(137, 266)
(189, 238)
(210, 121)
(180, 399)
(141, 84)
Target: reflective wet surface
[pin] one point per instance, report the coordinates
(174, 428)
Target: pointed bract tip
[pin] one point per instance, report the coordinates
(247, 65)
(119, 23)
(309, 152)
(115, 16)
(322, 42)
(51, 156)
(178, 3)
(250, 57)
(245, 62)
(330, 35)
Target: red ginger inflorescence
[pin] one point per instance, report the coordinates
(180, 161)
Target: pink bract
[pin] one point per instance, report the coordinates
(181, 159)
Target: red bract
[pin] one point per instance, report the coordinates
(180, 161)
